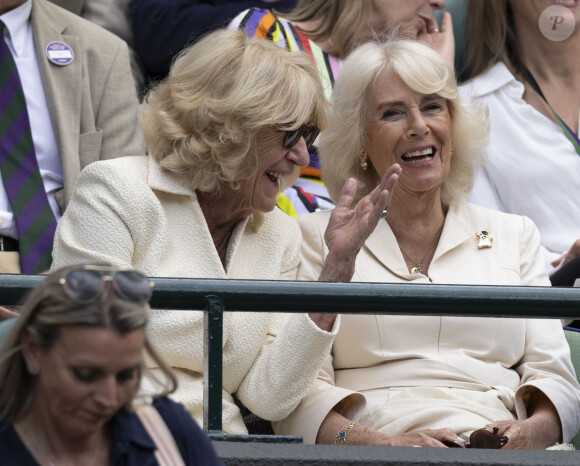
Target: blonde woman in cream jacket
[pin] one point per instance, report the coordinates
(225, 131)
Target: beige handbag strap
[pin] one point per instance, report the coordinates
(167, 453)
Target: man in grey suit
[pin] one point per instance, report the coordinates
(81, 101)
(114, 16)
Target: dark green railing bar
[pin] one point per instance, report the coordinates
(370, 298)
(212, 365)
(13, 288)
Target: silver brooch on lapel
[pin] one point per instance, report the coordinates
(485, 240)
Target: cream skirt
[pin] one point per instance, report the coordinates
(399, 410)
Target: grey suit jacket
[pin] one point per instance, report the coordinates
(114, 16)
(76, 6)
(92, 101)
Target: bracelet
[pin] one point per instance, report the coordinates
(362, 431)
(342, 433)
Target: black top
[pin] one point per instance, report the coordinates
(131, 445)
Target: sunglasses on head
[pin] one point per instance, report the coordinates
(482, 438)
(309, 133)
(86, 285)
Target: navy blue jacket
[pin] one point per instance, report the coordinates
(131, 444)
(161, 28)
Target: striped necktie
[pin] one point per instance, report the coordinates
(33, 215)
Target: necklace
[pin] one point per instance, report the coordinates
(222, 244)
(416, 269)
(44, 454)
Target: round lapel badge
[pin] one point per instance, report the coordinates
(59, 53)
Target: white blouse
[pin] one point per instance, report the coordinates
(532, 168)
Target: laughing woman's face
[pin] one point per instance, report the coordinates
(411, 129)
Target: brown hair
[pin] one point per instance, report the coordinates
(490, 37)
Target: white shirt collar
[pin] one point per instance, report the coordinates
(17, 22)
(493, 79)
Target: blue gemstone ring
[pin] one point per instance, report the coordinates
(384, 214)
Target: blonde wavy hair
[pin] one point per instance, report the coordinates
(424, 71)
(204, 119)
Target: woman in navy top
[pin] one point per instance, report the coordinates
(69, 372)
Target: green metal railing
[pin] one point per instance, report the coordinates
(217, 296)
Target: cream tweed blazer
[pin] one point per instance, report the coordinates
(130, 213)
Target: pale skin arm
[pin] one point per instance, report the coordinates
(8, 312)
(572, 253)
(347, 231)
(334, 422)
(539, 431)
(443, 42)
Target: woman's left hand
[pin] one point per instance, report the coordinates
(523, 435)
(539, 431)
(348, 228)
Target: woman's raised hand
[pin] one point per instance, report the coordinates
(441, 39)
(348, 228)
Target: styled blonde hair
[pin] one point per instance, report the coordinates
(204, 119)
(338, 21)
(47, 311)
(424, 71)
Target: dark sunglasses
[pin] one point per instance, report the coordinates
(309, 133)
(86, 285)
(482, 438)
